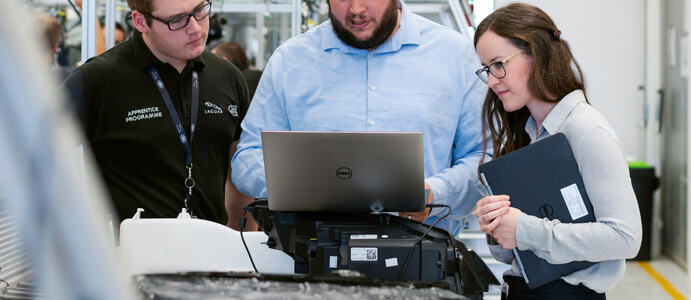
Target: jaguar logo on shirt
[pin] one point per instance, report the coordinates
(212, 109)
(233, 109)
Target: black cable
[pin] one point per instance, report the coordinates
(75, 10)
(410, 253)
(243, 222)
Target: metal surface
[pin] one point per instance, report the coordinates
(303, 287)
(88, 29)
(675, 135)
(15, 264)
(110, 24)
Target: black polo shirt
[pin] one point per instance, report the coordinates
(133, 137)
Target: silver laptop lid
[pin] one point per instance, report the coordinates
(344, 171)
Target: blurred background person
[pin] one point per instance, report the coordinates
(52, 33)
(236, 54)
(120, 33)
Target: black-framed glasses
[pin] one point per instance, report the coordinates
(496, 69)
(181, 22)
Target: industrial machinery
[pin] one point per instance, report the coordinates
(374, 245)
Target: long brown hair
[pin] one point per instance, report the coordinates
(551, 76)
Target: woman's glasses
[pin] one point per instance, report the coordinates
(496, 69)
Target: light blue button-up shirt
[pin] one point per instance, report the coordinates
(420, 80)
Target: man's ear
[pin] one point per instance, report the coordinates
(139, 21)
(53, 51)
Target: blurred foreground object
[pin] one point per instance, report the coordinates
(62, 220)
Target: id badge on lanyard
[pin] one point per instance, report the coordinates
(189, 200)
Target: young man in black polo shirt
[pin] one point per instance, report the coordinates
(161, 113)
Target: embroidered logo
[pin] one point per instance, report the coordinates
(143, 113)
(233, 109)
(212, 108)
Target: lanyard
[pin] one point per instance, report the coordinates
(184, 141)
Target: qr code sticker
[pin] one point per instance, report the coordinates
(364, 254)
(371, 254)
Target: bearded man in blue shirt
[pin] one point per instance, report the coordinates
(376, 66)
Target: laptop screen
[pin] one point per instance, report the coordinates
(344, 171)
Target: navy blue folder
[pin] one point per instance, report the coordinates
(542, 180)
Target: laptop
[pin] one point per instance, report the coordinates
(542, 180)
(344, 171)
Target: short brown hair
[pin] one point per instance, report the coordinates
(51, 29)
(234, 53)
(144, 6)
(551, 77)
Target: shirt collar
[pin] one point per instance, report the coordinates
(555, 117)
(145, 58)
(407, 33)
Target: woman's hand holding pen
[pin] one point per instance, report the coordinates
(490, 211)
(498, 219)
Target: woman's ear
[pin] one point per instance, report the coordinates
(139, 20)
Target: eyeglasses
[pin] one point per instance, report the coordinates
(496, 69)
(181, 22)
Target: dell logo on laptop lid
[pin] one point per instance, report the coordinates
(344, 173)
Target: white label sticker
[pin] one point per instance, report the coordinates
(333, 262)
(391, 262)
(364, 254)
(363, 237)
(574, 202)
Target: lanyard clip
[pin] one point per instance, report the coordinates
(189, 181)
(190, 202)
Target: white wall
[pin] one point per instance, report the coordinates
(608, 40)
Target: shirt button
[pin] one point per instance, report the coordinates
(371, 54)
(371, 123)
(371, 87)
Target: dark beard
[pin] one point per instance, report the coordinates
(383, 32)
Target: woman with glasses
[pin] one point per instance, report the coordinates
(536, 89)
